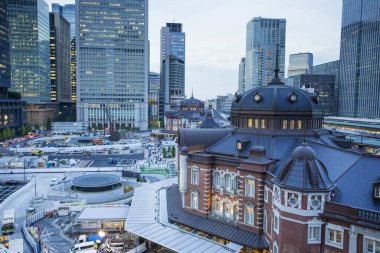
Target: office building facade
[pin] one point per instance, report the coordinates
(359, 68)
(153, 97)
(265, 39)
(60, 58)
(172, 67)
(241, 76)
(11, 110)
(301, 63)
(68, 12)
(112, 63)
(323, 87)
(29, 40)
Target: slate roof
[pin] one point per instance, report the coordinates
(275, 99)
(208, 122)
(216, 228)
(201, 138)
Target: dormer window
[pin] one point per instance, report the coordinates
(377, 192)
(239, 145)
(376, 189)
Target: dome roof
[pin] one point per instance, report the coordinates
(192, 102)
(277, 97)
(304, 171)
(304, 152)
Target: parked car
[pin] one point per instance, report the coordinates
(54, 182)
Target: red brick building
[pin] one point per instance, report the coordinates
(276, 181)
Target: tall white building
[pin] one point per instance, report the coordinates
(241, 76)
(264, 37)
(112, 63)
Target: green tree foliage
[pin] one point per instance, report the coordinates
(48, 124)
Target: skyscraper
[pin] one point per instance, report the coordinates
(172, 67)
(359, 70)
(301, 63)
(264, 37)
(29, 40)
(112, 63)
(68, 12)
(241, 75)
(154, 92)
(11, 110)
(60, 58)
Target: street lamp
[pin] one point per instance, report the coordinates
(102, 234)
(35, 185)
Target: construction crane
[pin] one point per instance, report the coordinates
(109, 117)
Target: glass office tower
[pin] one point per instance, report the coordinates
(301, 63)
(241, 75)
(112, 63)
(68, 12)
(30, 51)
(359, 70)
(60, 58)
(264, 35)
(172, 67)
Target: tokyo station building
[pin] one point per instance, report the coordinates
(276, 181)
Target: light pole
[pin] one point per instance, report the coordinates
(35, 186)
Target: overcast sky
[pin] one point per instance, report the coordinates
(215, 35)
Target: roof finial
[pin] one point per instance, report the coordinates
(276, 79)
(192, 92)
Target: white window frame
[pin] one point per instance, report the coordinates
(377, 191)
(310, 237)
(194, 204)
(266, 194)
(333, 243)
(276, 228)
(365, 244)
(229, 179)
(251, 220)
(231, 213)
(219, 176)
(194, 176)
(275, 248)
(250, 189)
(265, 220)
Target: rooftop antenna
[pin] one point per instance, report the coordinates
(192, 92)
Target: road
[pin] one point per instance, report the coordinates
(100, 160)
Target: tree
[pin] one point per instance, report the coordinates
(28, 128)
(12, 133)
(164, 152)
(23, 131)
(48, 124)
(173, 151)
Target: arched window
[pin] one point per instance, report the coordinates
(229, 211)
(216, 180)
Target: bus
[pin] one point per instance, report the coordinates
(88, 247)
(8, 223)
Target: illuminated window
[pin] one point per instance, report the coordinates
(299, 124)
(249, 214)
(284, 124)
(257, 123)
(291, 124)
(250, 122)
(263, 123)
(250, 187)
(194, 200)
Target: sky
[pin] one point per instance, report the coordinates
(216, 30)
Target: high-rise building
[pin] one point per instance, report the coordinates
(265, 40)
(301, 63)
(359, 68)
(68, 12)
(11, 110)
(29, 40)
(60, 58)
(153, 97)
(172, 90)
(112, 63)
(241, 75)
(323, 86)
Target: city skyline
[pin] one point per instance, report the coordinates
(213, 55)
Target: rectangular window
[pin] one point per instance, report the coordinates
(229, 212)
(263, 123)
(250, 123)
(265, 222)
(257, 123)
(276, 223)
(377, 192)
(266, 192)
(299, 124)
(314, 234)
(194, 176)
(291, 124)
(334, 237)
(250, 187)
(371, 246)
(284, 124)
(194, 200)
(249, 214)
